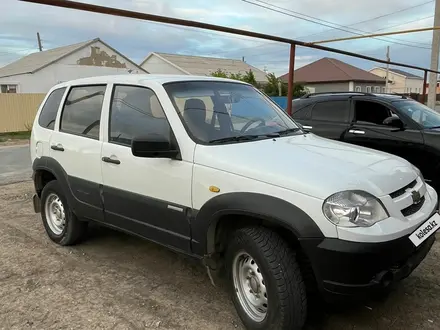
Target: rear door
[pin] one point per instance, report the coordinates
(330, 118)
(75, 145)
(368, 130)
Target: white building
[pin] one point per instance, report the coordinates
(161, 63)
(400, 81)
(38, 72)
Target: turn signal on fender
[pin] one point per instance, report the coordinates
(214, 189)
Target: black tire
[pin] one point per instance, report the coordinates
(286, 292)
(74, 229)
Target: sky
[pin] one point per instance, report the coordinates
(20, 21)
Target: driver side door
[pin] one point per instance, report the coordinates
(368, 130)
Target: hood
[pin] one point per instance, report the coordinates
(310, 164)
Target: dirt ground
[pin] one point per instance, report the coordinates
(115, 281)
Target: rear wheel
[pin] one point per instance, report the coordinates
(267, 288)
(61, 224)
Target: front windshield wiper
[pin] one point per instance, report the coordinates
(289, 130)
(433, 127)
(243, 138)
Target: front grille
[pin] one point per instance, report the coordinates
(407, 211)
(401, 191)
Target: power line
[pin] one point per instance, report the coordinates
(315, 20)
(405, 23)
(368, 20)
(377, 17)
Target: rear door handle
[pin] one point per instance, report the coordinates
(356, 131)
(111, 160)
(57, 147)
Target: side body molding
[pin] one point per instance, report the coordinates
(264, 207)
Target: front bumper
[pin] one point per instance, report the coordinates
(347, 270)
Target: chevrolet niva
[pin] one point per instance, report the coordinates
(214, 169)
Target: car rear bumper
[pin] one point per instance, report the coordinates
(347, 270)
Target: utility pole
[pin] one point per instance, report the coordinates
(432, 92)
(388, 69)
(39, 42)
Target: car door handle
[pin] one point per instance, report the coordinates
(356, 131)
(57, 147)
(307, 127)
(111, 160)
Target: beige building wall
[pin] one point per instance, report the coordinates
(398, 85)
(17, 111)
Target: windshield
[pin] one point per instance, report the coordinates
(214, 111)
(419, 112)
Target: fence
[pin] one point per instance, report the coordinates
(17, 111)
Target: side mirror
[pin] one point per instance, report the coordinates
(394, 122)
(153, 146)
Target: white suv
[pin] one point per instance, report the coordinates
(213, 168)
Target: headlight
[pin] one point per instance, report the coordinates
(354, 208)
(419, 173)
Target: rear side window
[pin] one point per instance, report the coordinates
(303, 113)
(82, 111)
(335, 111)
(50, 109)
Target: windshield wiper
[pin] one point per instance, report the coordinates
(243, 138)
(289, 130)
(433, 127)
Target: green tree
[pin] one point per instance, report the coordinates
(272, 87)
(248, 77)
(220, 74)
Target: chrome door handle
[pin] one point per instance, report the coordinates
(307, 127)
(111, 160)
(356, 131)
(57, 147)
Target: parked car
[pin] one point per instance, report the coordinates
(386, 122)
(182, 161)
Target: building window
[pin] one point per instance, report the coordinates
(368, 89)
(8, 88)
(384, 89)
(358, 89)
(376, 89)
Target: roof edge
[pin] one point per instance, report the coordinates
(84, 46)
(165, 60)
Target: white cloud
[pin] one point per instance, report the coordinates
(20, 21)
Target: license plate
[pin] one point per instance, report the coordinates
(428, 228)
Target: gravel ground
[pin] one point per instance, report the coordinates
(115, 281)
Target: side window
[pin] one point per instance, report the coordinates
(50, 109)
(82, 111)
(304, 113)
(371, 112)
(135, 111)
(335, 111)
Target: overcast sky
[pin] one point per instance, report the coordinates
(19, 22)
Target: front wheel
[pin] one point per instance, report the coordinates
(267, 288)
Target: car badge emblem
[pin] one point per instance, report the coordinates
(416, 197)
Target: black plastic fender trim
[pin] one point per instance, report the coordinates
(264, 207)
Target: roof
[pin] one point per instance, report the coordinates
(403, 73)
(140, 78)
(328, 70)
(39, 60)
(200, 65)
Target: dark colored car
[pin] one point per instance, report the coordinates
(386, 122)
